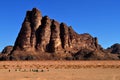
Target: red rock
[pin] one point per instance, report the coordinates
(43, 38)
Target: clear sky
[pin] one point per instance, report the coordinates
(100, 18)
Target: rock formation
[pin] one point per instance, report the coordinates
(115, 49)
(7, 50)
(4, 55)
(26, 39)
(44, 38)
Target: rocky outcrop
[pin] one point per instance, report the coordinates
(115, 49)
(26, 39)
(45, 35)
(4, 55)
(55, 41)
(86, 54)
(7, 50)
(44, 38)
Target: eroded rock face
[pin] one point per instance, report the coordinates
(115, 49)
(64, 35)
(43, 34)
(7, 50)
(55, 41)
(45, 38)
(26, 39)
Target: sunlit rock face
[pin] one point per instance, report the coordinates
(26, 39)
(44, 38)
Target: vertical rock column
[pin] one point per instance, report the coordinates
(64, 34)
(55, 41)
(43, 34)
(72, 37)
(23, 39)
(26, 39)
(35, 23)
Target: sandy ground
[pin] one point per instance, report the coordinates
(60, 70)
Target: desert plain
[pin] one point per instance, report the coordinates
(59, 70)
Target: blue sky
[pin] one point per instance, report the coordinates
(100, 18)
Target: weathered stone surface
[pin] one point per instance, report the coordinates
(86, 54)
(46, 35)
(26, 39)
(64, 35)
(115, 49)
(43, 34)
(42, 38)
(55, 41)
(7, 50)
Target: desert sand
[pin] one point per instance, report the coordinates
(60, 70)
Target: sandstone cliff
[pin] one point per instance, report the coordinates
(44, 38)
